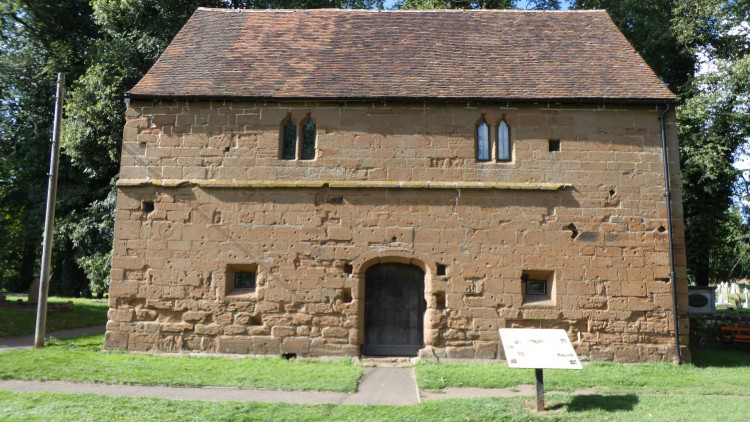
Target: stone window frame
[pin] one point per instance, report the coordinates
(493, 140)
(231, 271)
(294, 142)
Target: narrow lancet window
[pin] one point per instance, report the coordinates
(308, 141)
(503, 142)
(288, 140)
(483, 141)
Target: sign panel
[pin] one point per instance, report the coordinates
(538, 349)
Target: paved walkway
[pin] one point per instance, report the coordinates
(28, 341)
(391, 386)
(382, 384)
(379, 385)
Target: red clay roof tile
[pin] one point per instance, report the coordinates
(359, 54)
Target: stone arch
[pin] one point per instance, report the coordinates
(399, 256)
(384, 256)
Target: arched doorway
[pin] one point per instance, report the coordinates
(394, 310)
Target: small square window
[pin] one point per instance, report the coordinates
(244, 280)
(241, 279)
(554, 145)
(536, 287)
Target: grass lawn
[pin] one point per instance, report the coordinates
(715, 387)
(627, 407)
(81, 359)
(21, 322)
(721, 371)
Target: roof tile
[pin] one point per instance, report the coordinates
(359, 54)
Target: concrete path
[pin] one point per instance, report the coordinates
(383, 386)
(390, 386)
(28, 341)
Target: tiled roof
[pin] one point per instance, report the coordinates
(358, 54)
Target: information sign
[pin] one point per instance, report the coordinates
(538, 349)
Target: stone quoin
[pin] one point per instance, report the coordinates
(341, 182)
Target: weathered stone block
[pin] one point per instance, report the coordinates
(460, 352)
(121, 315)
(297, 345)
(115, 340)
(283, 331)
(335, 332)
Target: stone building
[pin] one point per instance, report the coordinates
(396, 183)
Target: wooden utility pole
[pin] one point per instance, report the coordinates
(49, 218)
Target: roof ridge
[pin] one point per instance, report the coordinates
(335, 10)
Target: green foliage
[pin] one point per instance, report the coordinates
(38, 38)
(455, 4)
(91, 233)
(730, 257)
(94, 121)
(479, 4)
(714, 124)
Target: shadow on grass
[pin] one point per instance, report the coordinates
(728, 356)
(600, 402)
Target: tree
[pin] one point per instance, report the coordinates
(478, 4)
(455, 4)
(38, 38)
(714, 124)
(730, 259)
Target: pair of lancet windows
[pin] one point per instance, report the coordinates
(298, 147)
(485, 150)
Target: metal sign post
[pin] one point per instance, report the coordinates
(49, 218)
(538, 349)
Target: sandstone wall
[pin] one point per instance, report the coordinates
(203, 192)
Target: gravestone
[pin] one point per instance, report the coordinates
(34, 291)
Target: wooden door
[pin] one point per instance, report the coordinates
(394, 310)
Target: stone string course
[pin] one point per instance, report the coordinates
(602, 232)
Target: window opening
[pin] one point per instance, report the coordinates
(483, 141)
(538, 287)
(308, 141)
(148, 206)
(288, 140)
(440, 300)
(503, 142)
(346, 295)
(348, 268)
(554, 145)
(244, 280)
